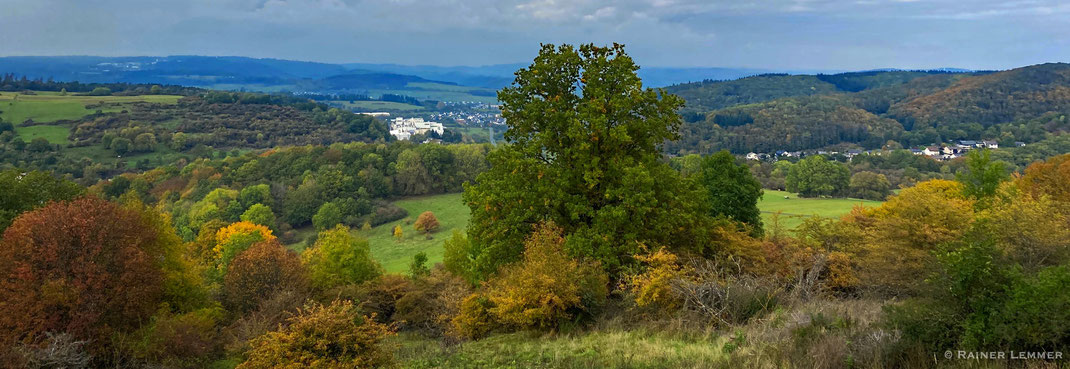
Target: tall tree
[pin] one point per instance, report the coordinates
(981, 176)
(583, 151)
(732, 189)
(818, 176)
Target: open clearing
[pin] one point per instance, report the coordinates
(793, 209)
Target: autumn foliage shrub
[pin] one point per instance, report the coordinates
(261, 271)
(333, 336)
(182, 340)
(544, 290)
(426, 223)
(235, 238)
(654, 286)
(87, 267)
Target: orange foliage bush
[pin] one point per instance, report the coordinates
(259, 272)
(654, 285)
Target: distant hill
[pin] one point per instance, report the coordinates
(867, 109)
(238, 73)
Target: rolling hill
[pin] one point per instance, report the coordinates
(866, 109)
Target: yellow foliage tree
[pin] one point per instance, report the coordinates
(235, 238)
(398, 233)
(900, 235)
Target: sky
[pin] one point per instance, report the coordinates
(769, 34)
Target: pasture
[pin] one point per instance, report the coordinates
(793, 209)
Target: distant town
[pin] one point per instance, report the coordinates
(947, 151)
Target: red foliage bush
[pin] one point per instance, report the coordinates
(87, 267)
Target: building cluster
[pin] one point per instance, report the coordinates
(939, 152)
(405, 128)
(471, 118)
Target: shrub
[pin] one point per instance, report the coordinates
(327, 217)
(426, 223)
(333, 336)
(58, 351)
(87, 267)
(655, 285)
(182, 340)
(263, 270)
(338, 258)
(547, 287)
(235, 238)
(260, 214)
(457, 256)
(431, 303)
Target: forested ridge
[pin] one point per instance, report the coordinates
(929, 107)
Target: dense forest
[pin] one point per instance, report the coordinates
(585, 240)
(866, 109)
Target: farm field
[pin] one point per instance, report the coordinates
(453, 215)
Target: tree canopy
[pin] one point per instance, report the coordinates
(583, 152)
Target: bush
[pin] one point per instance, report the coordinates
(263, 270)
(338, 258)
(327, 217)
(89, 268)
(182, 340)
(58, 351)
(655, 286)
(546, 288)
(426, 223)
(333, 336)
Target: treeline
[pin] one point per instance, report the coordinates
(13, 83)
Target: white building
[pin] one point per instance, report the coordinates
(404, 128)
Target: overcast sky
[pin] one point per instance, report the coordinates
(777, 34)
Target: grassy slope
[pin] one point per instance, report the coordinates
(453, 214)
(395, 255)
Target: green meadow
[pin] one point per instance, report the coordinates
(793, 209)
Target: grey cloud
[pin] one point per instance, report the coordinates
(816, 34)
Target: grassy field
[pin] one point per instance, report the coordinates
(794, 209)
(596, 349)
(48, 107)
(395, 255)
